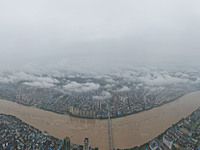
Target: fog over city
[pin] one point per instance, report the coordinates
(50, 44)
(83, 46)
(119, 72)
(98, 35)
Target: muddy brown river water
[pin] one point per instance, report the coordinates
(127, 131)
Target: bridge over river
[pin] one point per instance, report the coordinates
(125, 132)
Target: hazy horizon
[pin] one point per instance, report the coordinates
(99, 35)
(119, 73)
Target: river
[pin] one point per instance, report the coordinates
(129, 131)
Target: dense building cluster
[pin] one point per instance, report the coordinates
(17, 135)
(186, 133)
(91, 96)
(14, 134)
(84, 105)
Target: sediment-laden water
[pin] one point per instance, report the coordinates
(127, 132)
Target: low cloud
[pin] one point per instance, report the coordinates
(161, 79)
(39, 84)
(29, 79)
(198, 80)
(109, 86)
(104, 95)
(123, 89)
(128, 79)
(4, 80)
(80, 87)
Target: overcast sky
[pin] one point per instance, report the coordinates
(99, 32)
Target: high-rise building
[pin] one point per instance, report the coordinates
(67, 144)
(71, 109)
(98, 104)
(86, 144)
(167, 141)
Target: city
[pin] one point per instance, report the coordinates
(99, 75)
(17, 135)
(89, 96)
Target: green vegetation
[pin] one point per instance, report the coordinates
(195, 124)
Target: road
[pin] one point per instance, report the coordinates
(110, 131)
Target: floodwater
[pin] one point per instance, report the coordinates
(127, 132)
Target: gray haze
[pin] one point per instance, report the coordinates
(85, 34)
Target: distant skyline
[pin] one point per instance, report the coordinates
(99, 34)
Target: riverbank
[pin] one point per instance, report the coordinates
(103, 118)
(129, 131)
(187, 137)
